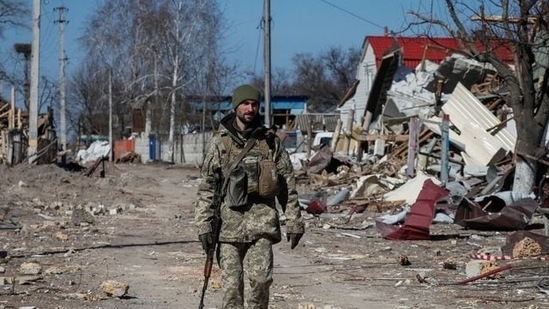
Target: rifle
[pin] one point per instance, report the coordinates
(216, 226)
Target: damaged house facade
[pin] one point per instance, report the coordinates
(399, 78)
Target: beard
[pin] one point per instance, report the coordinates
(246, 118)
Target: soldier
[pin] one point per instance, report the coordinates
(250, 221)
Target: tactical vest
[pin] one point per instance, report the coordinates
(250, 162)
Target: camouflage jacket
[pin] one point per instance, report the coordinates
(260, 217)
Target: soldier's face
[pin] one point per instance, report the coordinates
(247, 110)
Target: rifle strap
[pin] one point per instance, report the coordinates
(249, 144)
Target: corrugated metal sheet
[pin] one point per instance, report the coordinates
(414, 50)
(472, 118)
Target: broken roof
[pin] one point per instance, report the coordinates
(416, 49)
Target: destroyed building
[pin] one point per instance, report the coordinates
(421, 113)
(14, 135)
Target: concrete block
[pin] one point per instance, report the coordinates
(477, 267)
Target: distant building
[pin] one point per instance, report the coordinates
(284, 109)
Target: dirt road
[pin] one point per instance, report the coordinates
(141, 234)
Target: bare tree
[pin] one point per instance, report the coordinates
(111, 39)
(155, 50)
(88, 109)
(12, 13)
(281, 82)
(326, 77)
(323, 78)
(47, 94)
(189, 29)
(523, 26)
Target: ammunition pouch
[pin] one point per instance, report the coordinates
(252, 178)
(237, 187)
(267, 185)
(262, 177)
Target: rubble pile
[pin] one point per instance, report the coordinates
(429, 172)
(462, 141)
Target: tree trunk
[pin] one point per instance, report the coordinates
(525, 175)
(172, 128)
(530, 133)
(172, 111)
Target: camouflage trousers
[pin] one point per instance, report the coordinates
(253, 261)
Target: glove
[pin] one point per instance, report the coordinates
(207, 241)
(294, 238)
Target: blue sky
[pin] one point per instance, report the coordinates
(307, 26)
(299, 26)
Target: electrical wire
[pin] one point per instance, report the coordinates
(352, 14)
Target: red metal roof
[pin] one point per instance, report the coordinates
(415, 49)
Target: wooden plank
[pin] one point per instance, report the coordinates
(4, 107)
(403, 149)
(335, 137)
(385, 137)
(348, 131)
(12, 114)
(5, 114)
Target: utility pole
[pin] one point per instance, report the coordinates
(267, 60)
(35, 74)
(62, 86)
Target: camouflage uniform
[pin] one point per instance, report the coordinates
(247, 232)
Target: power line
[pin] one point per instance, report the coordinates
(352, 14)
(260, 29)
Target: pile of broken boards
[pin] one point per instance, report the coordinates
(405, 208)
